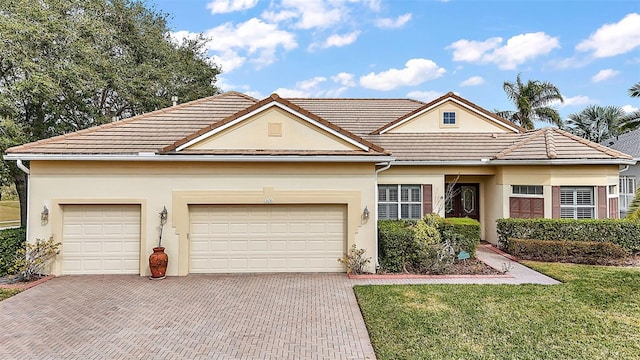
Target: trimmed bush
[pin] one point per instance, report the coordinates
(580, 252)
(622, 232)
(468, 229)
(395, 240)
(11, 240)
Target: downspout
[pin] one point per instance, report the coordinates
(386, 167)
(28, 172)
(626, 167)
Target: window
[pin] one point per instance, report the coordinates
(399, 202)
(526, 189)
(577, 203)
(627, 191)
(449, 118)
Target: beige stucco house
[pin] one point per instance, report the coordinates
(287, 185)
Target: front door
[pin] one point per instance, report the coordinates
(463, 200)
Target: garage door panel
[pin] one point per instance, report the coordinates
(101, 239)
(267, 238)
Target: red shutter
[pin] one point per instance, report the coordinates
(555, 202)
(614, 211)
(514, 207)
(537, 208)
(602, 202)
(427, 199)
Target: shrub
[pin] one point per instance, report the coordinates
(581, 252)
(462, 234)
(11, 240)
(432, 259)
(624, 233)
(33, 259)
(355, 261)
(426, 233)
(395, 239)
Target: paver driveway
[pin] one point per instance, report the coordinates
(272, 316)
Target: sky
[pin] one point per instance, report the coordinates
(418, 49)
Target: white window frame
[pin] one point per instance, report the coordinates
(574, 206)
(400, 202)
(526, 193)
(627, 191)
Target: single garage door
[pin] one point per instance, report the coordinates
(266, 238)
(101, 239)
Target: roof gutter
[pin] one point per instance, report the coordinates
(519, 162)
(210, 158)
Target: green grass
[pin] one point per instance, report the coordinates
(595, 314)
(6, 293)
(9, 211)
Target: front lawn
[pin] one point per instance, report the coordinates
(7, 293)
(595, 314)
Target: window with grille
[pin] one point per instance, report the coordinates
(526, 189)
(399, 202)
(628, 187)
(449, 118)
(577, 202)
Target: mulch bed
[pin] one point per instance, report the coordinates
(8, 283)
(461, 268)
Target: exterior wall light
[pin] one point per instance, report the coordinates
(365, 214)
(163, 215)
(44, 215)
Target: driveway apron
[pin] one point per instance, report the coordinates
(271, 316)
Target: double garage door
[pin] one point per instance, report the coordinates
(105, 239)
(266, 238)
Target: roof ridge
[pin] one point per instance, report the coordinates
(512, 148)
(116, 123)
(272, 98)
(609, 151)
(550, 144)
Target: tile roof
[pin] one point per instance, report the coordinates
(163, 131)
(541, 144)
(628, 143)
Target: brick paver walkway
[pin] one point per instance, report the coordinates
(274, 316)
(271, 316)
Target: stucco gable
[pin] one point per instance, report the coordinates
(470, 118)
(273, 124)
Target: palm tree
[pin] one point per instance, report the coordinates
(596, 123)
(632, 120)
(532, 103)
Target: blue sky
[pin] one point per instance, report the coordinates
(419, 49)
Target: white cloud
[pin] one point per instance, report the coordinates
(573, 101)
(387, 23)
(517, 50)
(629, 109)
(344, 79)
(415, 72)
(425, 96)
(227, 6)
(311, 83)
(309, 13)
(614, 39)
(292, 93)
(472, 81)
(340, 40)
(603, 75)
(253, 40)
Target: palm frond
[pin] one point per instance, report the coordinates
(635, 90)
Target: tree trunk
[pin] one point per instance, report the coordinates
(20, 179)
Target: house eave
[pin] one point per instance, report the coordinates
(490, 162)
(198, 158)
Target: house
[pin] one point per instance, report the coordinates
(628, 143)
(288, 185)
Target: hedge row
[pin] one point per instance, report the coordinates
(580, 252)
(395, 239)
(468, 229)
(624, 233)
(11, 240)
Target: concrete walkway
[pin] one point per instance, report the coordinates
(516, 274)
(256, 316)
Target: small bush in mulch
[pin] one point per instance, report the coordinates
(11, 241)
(579, 252)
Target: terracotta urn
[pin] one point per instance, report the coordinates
(158, 263)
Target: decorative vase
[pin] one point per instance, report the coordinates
(158, 263)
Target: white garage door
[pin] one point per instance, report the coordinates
(101, 239)
(266, 238)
